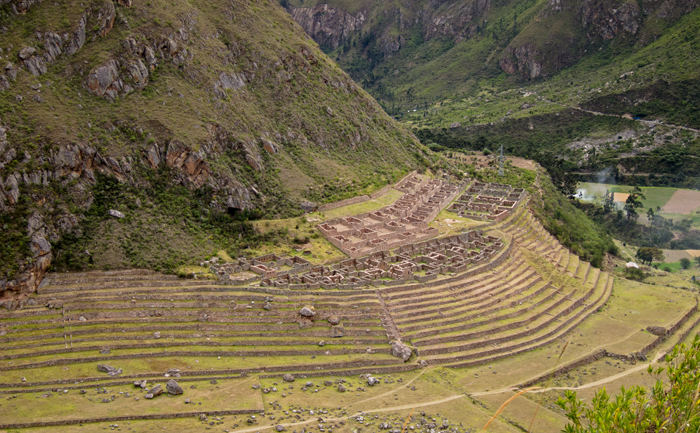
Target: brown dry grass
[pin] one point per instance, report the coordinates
(683, 201)
(621, 197)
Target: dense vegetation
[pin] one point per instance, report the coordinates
(165, 226)
(670, 405)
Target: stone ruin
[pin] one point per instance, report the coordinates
(488, 201)
(420, 261)
(404, 222)
(269, 266)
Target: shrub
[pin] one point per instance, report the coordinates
(670, 405)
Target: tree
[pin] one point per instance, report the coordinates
(633, 203)
(671, 405)
(685, 263)
(650, 215)
(649, 254)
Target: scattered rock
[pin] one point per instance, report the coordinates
(288, 378)
(104, 368)
(400, 350)
(116, 214)
(156, 390)
(307, 312)
(173, 388)
(337, 331)
(156, 335)
(279, 427)
(26, 52)
(308, 206)
(657, 330)
(341, 388)
(105, 352)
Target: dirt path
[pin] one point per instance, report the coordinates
(388, 392)
(329, 420)
(574, 388)
(598, 113)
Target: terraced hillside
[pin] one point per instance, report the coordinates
(200, 332)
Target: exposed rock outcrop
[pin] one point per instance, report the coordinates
(400, 350)
(327, 25)
(608, 22)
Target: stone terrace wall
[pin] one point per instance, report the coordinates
(130, 418)
(361, 198)
(346, 202)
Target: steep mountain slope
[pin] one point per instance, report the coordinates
(419, 51)
(195, 109)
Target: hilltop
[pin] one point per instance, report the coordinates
(172, 114)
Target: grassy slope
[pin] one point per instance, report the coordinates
(345, 144)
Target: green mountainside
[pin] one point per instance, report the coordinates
(409, 54)
(173, 113)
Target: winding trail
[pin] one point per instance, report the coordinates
(329, 420)
(575, 388)
(598, 113)
(389, 392)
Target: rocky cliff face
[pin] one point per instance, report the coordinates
(525, 39)
(118, 88)
(582, 22)
(332, 26)
(327, 25)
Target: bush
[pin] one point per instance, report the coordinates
(670, 405)
(685, 263)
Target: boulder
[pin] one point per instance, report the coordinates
(400, 350)
(371, 381)
(104, 80)
(148, 396)
(26, 52)
(279, 427)
(77, 39)
(156, 390)
(116, 214)
(334, 320)
(36, 66)
(288, 378)
(156, 335)
(52, 45)
(104, 368)
(308, 206)
(307, 312)
(341, 388)
(337, 331)
(657, 330)
(173, 388)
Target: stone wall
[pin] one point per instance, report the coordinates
(129, 418)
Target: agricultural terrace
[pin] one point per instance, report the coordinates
(432, 335)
